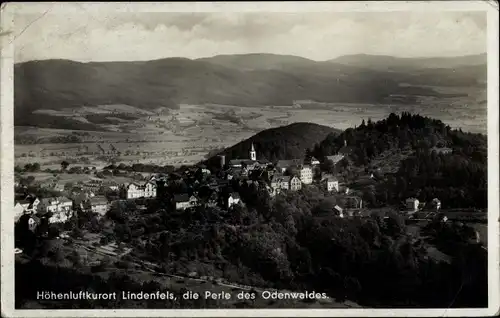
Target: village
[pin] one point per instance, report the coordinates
(202, 187)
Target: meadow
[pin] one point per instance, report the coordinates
(187, 134)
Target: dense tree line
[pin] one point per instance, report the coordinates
(295, 242)
(458, 179)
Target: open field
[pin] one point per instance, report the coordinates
(63, 178)
(186, 135)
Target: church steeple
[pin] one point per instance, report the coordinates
(253, 153)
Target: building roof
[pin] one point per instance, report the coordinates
(64, 199)
(304, 166)
(288, 163)
(330, 179)
(285, 178)
(133, 183)
(335, 158)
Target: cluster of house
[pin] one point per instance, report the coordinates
(285, 175)
(288, 174)
(136, 190)
(58, 209)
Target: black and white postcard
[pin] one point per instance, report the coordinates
(249, 159)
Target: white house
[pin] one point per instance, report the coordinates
(338, 211)
(412, 204)
(233, 199)
(331, 183)
(92, 185)
(133, 191)
(150, 190)
(18, 211)
(30, 204)
(305, 174)
(184, 201)
(33, 222)
(295, 183)
(284, 182)
(60, 216)
(59, 207)
(55, 205)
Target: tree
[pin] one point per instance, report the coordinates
(64, 165)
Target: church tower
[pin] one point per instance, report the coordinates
(253, 153)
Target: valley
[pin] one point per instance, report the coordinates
(184, 136)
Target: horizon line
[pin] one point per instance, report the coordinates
(256, 53)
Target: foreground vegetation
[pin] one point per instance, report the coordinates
(295, 242)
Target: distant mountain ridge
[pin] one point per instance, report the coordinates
(258, 61)
(242, 80)
(385, 62)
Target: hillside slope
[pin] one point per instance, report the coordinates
(56, 84)
(285, 142)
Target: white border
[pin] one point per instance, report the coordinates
(7, 151)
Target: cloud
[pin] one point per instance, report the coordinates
(107, 35)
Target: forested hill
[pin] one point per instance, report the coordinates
(457, 178)
(283, 142)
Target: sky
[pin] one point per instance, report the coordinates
(107, 35)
